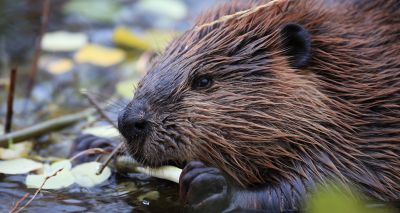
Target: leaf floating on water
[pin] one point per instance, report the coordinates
(170, 173)
(16, 151)
(125, 88)
(63, 179)
(63, 41)
(105, 131)
(60, 66)
(19, 166)
(85, 174)
(99, 55)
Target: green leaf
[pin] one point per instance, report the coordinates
(336, 198)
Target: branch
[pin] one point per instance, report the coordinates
(15, 210)
(45, 127)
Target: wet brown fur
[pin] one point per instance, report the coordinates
(266, 123)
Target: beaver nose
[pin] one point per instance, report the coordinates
(132, 122)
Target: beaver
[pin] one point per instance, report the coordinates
(262, 106)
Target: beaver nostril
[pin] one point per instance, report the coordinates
(140, 125)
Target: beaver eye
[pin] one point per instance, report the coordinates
(202, 82)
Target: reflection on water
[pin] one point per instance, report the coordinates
(120, 194)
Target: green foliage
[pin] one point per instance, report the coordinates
(336, 198)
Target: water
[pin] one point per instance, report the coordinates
(119, 194)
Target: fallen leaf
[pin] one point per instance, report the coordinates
(100, 10)
(155, 40)
(63, 41)
(99, 55)
(60, 66)
(16, 151)
(171, 8)
(105, 131)
(19, 166)
(63, 179)
(85, 174)
(125, 36)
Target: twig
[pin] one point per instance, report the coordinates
(19, 202)
(45, 127)
(10, 101)
(107, 161)
(96, 105)
(34, 195)
(36, 55)
(99, 109)
(238, 15)
(89, 152)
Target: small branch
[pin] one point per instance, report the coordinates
(111, 156)
(91, 151)
(15, 210)
(45, 127)
(238, 15)
(36, 55)
(99, 109)
(19, 202)
(96, 105)
(10, 101)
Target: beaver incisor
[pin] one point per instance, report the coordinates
(275, 101)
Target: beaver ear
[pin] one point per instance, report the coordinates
(297, 43)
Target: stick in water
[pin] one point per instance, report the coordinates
(10, 100)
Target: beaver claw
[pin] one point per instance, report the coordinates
(203, 189)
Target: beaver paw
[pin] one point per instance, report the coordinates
(203, 189)
(87, 141)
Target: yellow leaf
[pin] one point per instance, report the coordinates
(60, 66)
(99, 55)
(124, 36)
(150, 40)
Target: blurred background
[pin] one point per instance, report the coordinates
(59, 47)
(91, 44)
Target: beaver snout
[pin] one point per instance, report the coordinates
(133, 122)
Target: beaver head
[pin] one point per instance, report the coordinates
(250, 96)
